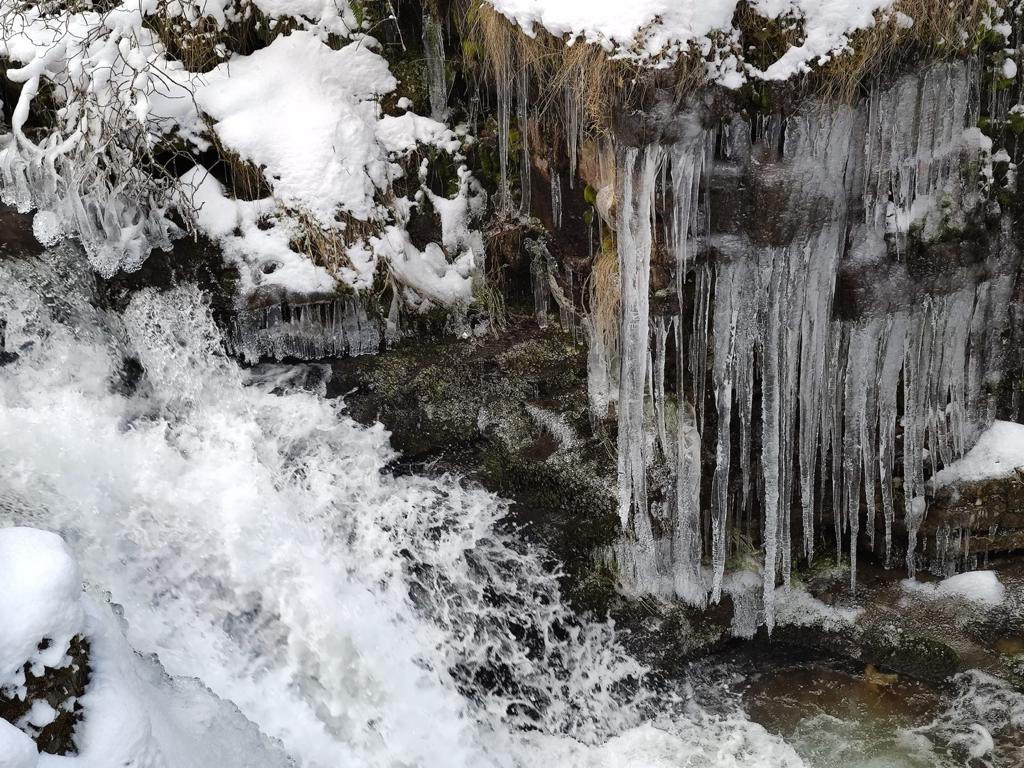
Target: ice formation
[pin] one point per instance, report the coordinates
(844, 188)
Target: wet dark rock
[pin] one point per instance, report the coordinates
(60, 688)
(985, 518)
(510, 413)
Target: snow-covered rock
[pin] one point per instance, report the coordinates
(999, 452)
(982, 587)
(131, 712)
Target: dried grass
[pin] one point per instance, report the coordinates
(940, 30)
(604, 295)
(602, 85)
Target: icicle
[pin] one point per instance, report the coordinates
(697, 350)
(888, 385)
(556, 199)
(732, 282)
(636, 175)
(522, 115)
(687, 160)
(566, 309)
(503, 88)
(573, 126)
(686, 539)
(310, 331)
(539, 282)
(770, 436)
(660, 332)
(437, 77)
(861, 363)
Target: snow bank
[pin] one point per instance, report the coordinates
(982, 587)
(998, 453)
(656, 32)
(17, 750)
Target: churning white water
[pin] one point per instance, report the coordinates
(256, 542)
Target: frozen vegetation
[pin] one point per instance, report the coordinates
(103, 106)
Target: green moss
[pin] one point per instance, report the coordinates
(911, 653)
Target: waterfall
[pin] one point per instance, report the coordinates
(257, 545)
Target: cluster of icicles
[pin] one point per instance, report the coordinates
(814, 400)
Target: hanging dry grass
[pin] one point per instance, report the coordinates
(939, 30)
(604, 294)
(601, 84)
(328, 248)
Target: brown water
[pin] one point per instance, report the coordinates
(840, 714)
(838, 717)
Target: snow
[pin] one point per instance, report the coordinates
(426, 272)
(40, 599)
(306, 114)
(17, 750)
(326, 151)
(981, 587)
(798, 607)
(999, 452)
(252, 236)
(400, 135)
(657, 31)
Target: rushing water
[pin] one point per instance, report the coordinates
(255, 540)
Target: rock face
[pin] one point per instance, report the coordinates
(48, 709)
(969, 522)
(509, 412)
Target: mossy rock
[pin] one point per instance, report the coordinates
(484, 409)
(910, 653)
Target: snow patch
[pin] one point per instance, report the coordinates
(981, 587)
(999, 452)
(306, 114)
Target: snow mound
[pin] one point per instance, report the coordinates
(16, 749)
(306, 114)
(998, 453)
(40, 599)
(981, 587)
